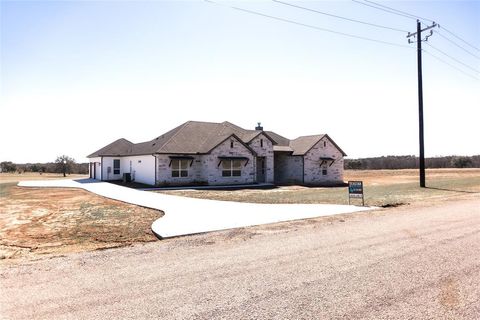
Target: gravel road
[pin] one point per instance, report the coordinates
(411, 262)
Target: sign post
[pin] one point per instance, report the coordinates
(355, 190)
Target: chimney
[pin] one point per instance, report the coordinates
(259, 127)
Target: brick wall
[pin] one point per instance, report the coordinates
(265, 151)
(313, 168)
(204, 169)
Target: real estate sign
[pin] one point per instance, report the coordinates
(355, 190)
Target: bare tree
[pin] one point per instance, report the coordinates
(64, 164)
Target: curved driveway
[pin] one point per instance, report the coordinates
(189, 216)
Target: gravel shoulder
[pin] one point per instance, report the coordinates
(410, 262)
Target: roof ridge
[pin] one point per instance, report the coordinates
(233, 126)
(180, 127)
(217, 133)
(311, 135)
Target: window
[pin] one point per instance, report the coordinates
(261, 143)
(231, 168)
(116, 166)
(179, 168)
(231, 143)
(324, 143)
(324, 171)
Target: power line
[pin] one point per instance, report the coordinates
(309, 25)
(398, 11)
(456, 60)
(451, 65)
(382, 9)
(339, 17)
(411, 16)
(453, 34)
(456, 44)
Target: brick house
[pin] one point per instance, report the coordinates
(205, 153)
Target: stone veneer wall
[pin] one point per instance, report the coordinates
(313, 170)
(265, 151)
(205, 169)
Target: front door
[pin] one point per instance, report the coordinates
(260, 169)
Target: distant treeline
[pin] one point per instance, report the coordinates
(388, 162)
(411, 162)
(49, 167)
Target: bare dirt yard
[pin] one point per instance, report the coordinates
(381, 188)
(39, 221)
(409, 262)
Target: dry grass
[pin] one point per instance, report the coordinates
(37, 221)
(16, 177)
(382, 188)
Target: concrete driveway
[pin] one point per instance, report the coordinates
(185, 216)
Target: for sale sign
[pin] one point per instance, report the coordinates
(355, 190)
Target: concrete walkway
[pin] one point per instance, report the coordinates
(189, 216)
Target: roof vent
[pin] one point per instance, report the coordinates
(259, 127)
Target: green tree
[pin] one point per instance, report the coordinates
(8, 166)
(64, 164)
(462, 162)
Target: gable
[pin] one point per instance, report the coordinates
(329, 144)
(237, 141)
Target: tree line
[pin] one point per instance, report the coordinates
(63, 164)
(412, 162)
(66, 165)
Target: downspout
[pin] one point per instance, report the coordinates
(101, 168)
(155, 179)
(303, 169)
(255, 172)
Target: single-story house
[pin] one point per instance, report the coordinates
(205, 153)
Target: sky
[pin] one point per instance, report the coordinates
(77, 75)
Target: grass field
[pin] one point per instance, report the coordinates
(382, 188)
(6, 177)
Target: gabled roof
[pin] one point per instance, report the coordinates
(303, 144)
(279, 140)
(194, 137)
(118, 147)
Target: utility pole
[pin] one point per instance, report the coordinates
(418, 34)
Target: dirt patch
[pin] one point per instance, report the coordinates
(37, 221)
(449, 293)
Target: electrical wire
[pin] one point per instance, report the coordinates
(354, 36)
(454, 59)
(382, 9)
(339, 17)
(453, 34)
(398, 11)
(456, 44)
(451, 65)
(310, 26)
(411, 16)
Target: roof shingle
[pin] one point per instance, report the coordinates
(194, 137)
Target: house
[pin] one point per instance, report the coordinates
(205, 153)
